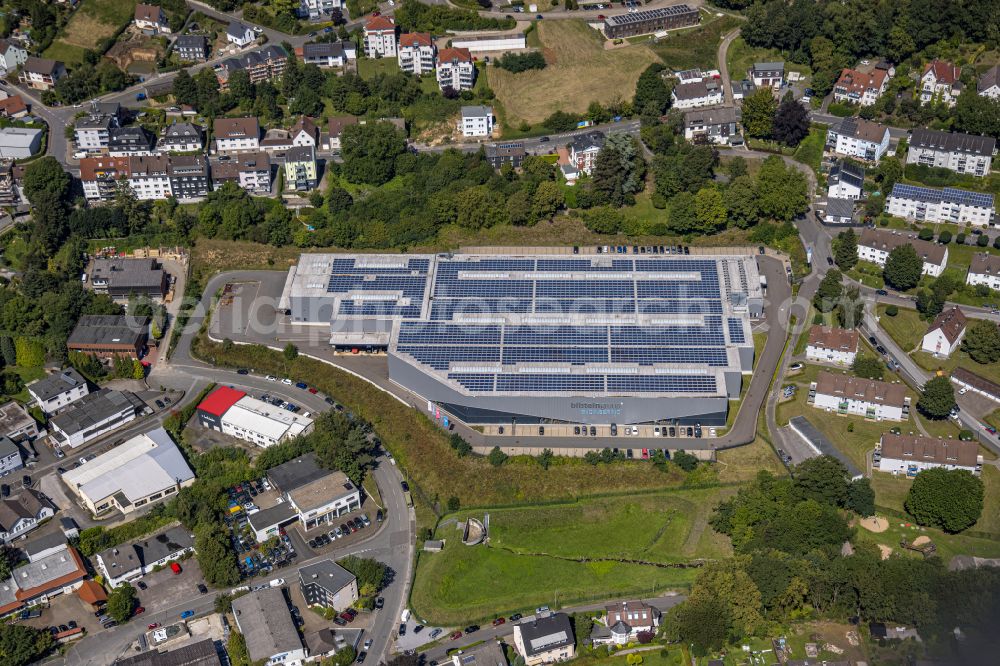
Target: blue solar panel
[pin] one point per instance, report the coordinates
(550, 383)
(651, 355)
(440, 358)
(574, 355)
(661, 383)
(555, 335)
(473, 381)
(447, 334)
(699, 306)
(736, 335)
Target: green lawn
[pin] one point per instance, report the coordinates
(696, 47)
(906, 328)
(70, 54)
(868, 274)
(561, 553)
(369, 67)
(810, 151)
(741, 57)
(27, 375)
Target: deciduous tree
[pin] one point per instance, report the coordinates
(758, 113)
(982, 341)
(903, 267)
(791, 121)
(937, 398)
(949, 499)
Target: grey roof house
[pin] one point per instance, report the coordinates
(545, 638)
(266, 624)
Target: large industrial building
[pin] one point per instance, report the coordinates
(557, 336)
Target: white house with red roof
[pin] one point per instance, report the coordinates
(455, 69)
(416, 53)
(262, 423)
(151, 19)
(856, 87)
(380, 37)
(940, 81)
(945, 334)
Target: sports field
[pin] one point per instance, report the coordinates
(559, 554)
(579, 72)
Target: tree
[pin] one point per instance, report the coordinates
(845, 249)
(782, 191)
(945, 237)
(888, 173)
(370, 151)
(982, 341)
(710, 210)
(8, 558)
(651, 90)
(185, 90)
(791, 121)
(545, 458)
(741, 202)
(371, 573)
(215, 556)
(851, 309)
(937, 398)
(867, 366)
(685, 460)
(45, 179)
(949, 499)
(497, 457)
(345, 656)
(21, 645)
(861, 498)
(454, 504)
(290, 352)
(121, 602)
(829, 291)
(823, 478)
(703, 622)
(30, 353)
(903, 267)
(758, 113)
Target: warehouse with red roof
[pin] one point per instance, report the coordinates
(216, 404)
(242, 416)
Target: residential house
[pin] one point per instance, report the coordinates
(93, 132)
(92, 416)
(510, 153)
(623, 622)
(961, 153)
(261, 65)
(912, 454)
(984, 269)
(875, 245)
(192, 48)
(102, 176)
(151, 19)
(62, 571)
(13, 107)
(945, 334)
(649, 21)
(108, 336)
(829, 344)
(941, 81)
(262, 616)
(328, 54)
(129, 141)
(181, 138)
(719, 125)
(43, 546)
(41, 73)
(240, 35)
(476, 121)
(989, 83)
(380, 37)
(236, 135)
(545, 638)
(743, 89)
(305, 133)
(950, 205)
(315, 9)
(416, 53)
(15, 422)
(455, 69)
(148, 177)
(863, 88)
(839, 211)
(487, 653)
(189, 178)
(251, 171)
(872, 399)
(142, 470)
(860, 138)
(21, 513)
(334, 128)
(19, 142)
(58, 390)
(767, 74)
(326, 642)
(12, 55)
(301, 172)
(328, 585)
(583, 150)
(699, 93)
(10, 456)
(120, 278)
(130, 561)
(846, 180)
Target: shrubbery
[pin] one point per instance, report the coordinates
(521, 62)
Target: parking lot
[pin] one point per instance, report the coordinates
(63, 610)
(256, 559)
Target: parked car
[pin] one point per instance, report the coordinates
(140, 610)
(455, 635)
(176, 568)
(243, 371)
(500, 620)
(152, 625)
(402, 628)
(515, 617)
(202, 588)
(434, 634)
(141, 585)
(472, 628)
(186, 614)
(379, 603)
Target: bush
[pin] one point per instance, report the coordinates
(960, 238)
(842, 110)
(945, 237)
(892, 310)
(996, 242)
(983, 240)
(521, 62)
(925, 234)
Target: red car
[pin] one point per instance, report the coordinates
(455, 635)
(500, 620)
(313, 390)
(601, 16)
(152, 625)
(140, 610)
(176, 568)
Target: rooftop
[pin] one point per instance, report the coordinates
(296, 472)
(127, 557)
(722, 115)
(649, 15)
(928, 449)
(327, 574)
(856, 388)
(975, 381)
(840, 208)
(282, 512)
(13, 417)
(236, 128)
(266, 419)
(477, 111)
(859, 128)
(951, 322)
(122, 273)
(954, 142)
(944, 195)
(266, 623)
(26, 504)
(696, 89)
(847, 172)
(887, 241)
(104, 330)
(542, 634)
(818, 441)
(836, 339)
(94, 408)
(985, 264)
(322, 491)
(487, 653)
(201, 653)
(55, 384)
(53, 571)
(220, 400)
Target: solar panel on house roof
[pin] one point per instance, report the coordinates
(949, 194)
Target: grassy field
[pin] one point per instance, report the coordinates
(696, 47)
(559, 553)
(868, 274)
(741, 57)
(906, 328)
(369, 67)
(579, 72)
(92, 22)
(810, 151)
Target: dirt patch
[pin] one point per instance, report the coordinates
(875, 524)
(86, 31)
(921, 540)
(886, 551)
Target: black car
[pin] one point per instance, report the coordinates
(405, 486)
(361, 657)
(829, 261)
(472, 628)
(881, 292)
(243, 371)
(71, 624)
(328, 400)
(202, 588)
(872, 340)
(379, 602)
(61, 470)
(63, 627)
(141, 585)
(417, 629)
(26, 481)
(402, 628)
(515, 617)
(378, 519)
(341, 622)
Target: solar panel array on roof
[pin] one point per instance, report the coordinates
(949, 194)
(390, 289)
(649, 14)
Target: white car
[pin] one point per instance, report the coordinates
(277, 582)
(286, 381)
(271, 378)
(963, 390)
(368, 643)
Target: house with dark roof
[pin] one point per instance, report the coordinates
(488, 653)
(151, 19)
(839, 211)
(192, 48)
(263, 64)
(984, 269)
(189, 176)
(545, 638)
(93, 415)
(240, 35)
(767, 74)
(583, 150)
(911, 454)
(304, 132)
(989, 83)
(335, 127)
(41, 73)
(107, 336)
(707, 92)
(846, 180)
(251, 171)
(133, 560)
(181, 137)
(329, 585)
(201, 653)
(961, 153)
(301, 171)
(511, 153)
(719, 125)
(266, 624)
(328, 54)
(121, 277)
(945, 333)
(624, 621)
(875, 245)
(236, 134)
(23, 512)
(12, 54)
(843, 394)
(58, 390)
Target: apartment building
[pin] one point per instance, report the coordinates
(476, 121)
(843, 394)
(860, 138)
(149, 176)
(416, 53)
(950, 205)
(829, 344)
(380, 37)
(455, 69)
(189, 177)
(984, 269)
(961, 153)
(862, 88)
(875, 245)
(235, 135)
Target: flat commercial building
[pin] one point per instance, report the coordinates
(266, 624)
(235, 413)
(582, 338)
(875, 245)
(106, 336)
(59, 572)
(948, 205)
(121, 278)
(650, 21)
(144, 469)
(93, 415)
(324, 500)
(58, 390)
(860, 397)
(16, 423)
(912, 454)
